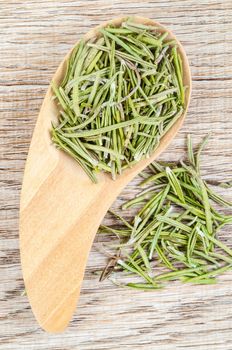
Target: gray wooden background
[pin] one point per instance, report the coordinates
(34, 37)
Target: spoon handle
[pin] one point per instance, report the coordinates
(57, 228)
(58, 222)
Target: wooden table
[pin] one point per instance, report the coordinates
(34, 37)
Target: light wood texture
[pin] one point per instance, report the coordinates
(35, 36)
(54, 248)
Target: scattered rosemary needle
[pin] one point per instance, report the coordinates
(174, 235)
(120, 94)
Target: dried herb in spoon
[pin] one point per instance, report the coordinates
(174, 235)
(120, 94)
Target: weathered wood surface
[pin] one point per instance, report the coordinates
(34, 37)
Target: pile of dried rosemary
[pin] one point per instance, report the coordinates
(121, 93)
(174, 234)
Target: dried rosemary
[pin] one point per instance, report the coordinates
(174, 233)
(120, 94)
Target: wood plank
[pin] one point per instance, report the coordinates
(35, 36)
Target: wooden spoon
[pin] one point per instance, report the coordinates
(61, 209)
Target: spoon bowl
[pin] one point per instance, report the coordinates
(61, 209)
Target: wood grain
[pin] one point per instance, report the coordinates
(35, 36)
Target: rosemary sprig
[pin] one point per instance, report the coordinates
(174, 235)
(120, 94)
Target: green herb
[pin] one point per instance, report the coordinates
(174, 235)
(120, 94)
